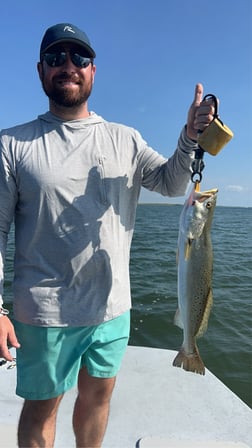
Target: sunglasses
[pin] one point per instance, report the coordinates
(58, 59)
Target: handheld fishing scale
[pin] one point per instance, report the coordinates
(211, 140)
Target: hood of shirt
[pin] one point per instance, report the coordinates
(92, 119)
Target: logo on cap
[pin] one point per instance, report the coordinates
(68, 28)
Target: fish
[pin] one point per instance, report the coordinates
(194, 275)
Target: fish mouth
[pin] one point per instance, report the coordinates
(201, 196)
(208, 194)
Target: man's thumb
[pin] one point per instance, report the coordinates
(198, 94)
(13, 339)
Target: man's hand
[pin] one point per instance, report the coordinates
(7, 334)
(200, 113)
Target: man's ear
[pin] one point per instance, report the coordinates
(40, 70)
(93, 73)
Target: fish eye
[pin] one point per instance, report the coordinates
(208, 204)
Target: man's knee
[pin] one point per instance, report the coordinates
(93, 389)
(41, 410)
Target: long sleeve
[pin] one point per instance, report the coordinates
(168, 177)
(8, 196)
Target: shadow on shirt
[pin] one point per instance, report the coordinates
(82, 234)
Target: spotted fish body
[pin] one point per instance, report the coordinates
(195, 265)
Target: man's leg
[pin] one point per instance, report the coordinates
(92, 409)
(37, 423)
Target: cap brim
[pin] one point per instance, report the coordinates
(78, 42)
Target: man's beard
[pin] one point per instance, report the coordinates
(66, 97)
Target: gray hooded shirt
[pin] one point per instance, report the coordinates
(72, 188)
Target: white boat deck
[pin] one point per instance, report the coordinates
(161, 405)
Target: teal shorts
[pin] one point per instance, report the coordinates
(50, 358)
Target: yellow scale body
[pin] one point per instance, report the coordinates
(215, 137)
(211, 140)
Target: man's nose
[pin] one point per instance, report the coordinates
(68, 64)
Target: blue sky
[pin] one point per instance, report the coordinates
(150, 55)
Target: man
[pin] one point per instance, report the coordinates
(71, 181)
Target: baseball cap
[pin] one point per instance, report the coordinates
(65, 32)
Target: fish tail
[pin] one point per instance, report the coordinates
(191, 362)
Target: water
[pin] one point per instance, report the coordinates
(226, 347)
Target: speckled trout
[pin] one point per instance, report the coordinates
(195, 266)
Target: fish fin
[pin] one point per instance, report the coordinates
(177, 319)
(191, 362)
(188, 247)
(203, 325)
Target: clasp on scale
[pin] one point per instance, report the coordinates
(197, 165)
